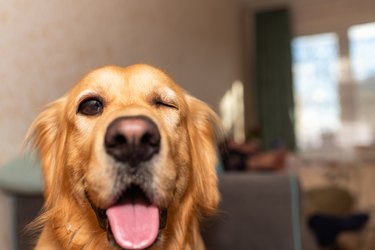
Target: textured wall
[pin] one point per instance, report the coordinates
(46, 46)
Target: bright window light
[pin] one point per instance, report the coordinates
(362, 51)
(315, 74)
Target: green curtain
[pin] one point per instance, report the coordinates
(274, 87)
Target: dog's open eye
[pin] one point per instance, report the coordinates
(90, 107)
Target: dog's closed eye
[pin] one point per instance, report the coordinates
(159, 101)
(91, 106)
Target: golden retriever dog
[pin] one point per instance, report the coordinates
(128, 162)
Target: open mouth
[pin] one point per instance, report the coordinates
(133, 222)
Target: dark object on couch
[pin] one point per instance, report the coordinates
(327, 227)
(234, 160)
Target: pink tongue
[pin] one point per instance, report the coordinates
(134, 224)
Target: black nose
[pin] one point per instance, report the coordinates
(132, 139)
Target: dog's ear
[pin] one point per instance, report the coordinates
(46, 135)
(204, 132)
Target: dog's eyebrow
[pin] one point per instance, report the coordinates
(84, 94)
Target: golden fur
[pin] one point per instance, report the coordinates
(74, 162)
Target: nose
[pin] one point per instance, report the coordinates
(132, 140)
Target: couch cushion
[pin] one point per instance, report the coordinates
(255, 213)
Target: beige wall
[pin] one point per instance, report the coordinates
(46, 46)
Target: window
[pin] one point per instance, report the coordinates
(362, 52)
(362, 61)
(331, 110)
(315, 88)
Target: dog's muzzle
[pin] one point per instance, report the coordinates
(133, 221)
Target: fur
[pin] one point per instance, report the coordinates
(75, 165)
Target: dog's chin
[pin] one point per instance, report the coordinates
(134, 221)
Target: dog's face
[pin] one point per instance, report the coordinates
(131, 147)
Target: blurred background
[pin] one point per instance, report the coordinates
(293, 81)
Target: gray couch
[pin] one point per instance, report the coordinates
(258, 212)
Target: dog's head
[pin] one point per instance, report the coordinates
(131, 147)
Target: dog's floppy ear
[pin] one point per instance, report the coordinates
(46, 135)
(203, 126)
